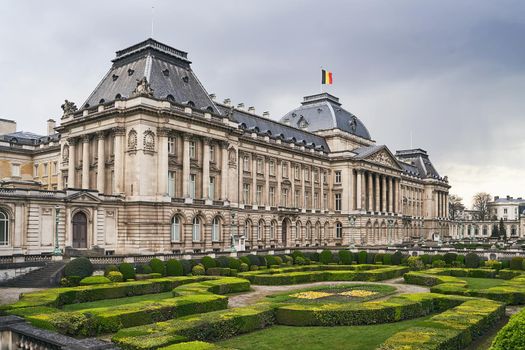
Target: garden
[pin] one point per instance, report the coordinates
(312, 300)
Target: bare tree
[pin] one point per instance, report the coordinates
(455, 206)
(480, 203)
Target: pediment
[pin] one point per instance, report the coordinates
(384, 157)
(83, 197)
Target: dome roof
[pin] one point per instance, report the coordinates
(324, 112)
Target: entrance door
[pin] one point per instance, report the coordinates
(79, 230)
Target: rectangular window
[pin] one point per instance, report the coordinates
(297, 198)
(196, 230)
(316, 200)
(271, 196)
(55, 168)
(258, 194)
(338, 176)
(325, 201)
(171, 145)
(297, 172)
(215, 230)
(245, 193)
(338, 203)
(306, 174)
(193, 150)
(260, 166)
(211, 188)
(15, 170)
(324, 177)
(171, 184)
(272, 168)
(175, 229)
(246, 163)
(193, 180)
(212, 153)
(36, 170)
(307, 200)
(45, 169)
(285, 169)
(64, 182)
(316, 175)
(284, 199)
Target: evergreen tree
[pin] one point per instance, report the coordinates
(495, 231)
(502, 230)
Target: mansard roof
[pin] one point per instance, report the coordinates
(166, 69)
(324, 112)
(417, 161)
(274, 129)
(28, 138)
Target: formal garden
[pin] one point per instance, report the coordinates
(297, 301)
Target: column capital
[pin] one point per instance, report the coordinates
(72, 141)
(206, 140)
(86, 138)
(163, 131)
(100, 135)
(119, 130)
(223, 143)
(186, 136)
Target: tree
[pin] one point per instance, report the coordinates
(495, 231)
(480, 203)
(455, 206)
(502, 230)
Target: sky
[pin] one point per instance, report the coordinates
(445, 76)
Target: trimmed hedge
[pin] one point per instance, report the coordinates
(472, 260)
(94, 280)
(80, 267)
(195, 345)
(127, 270)
(516, 263)
(115, 276)
(157, 266)
(345, 257)
(511, 336)
(326, 257)
(174, 268)
(208, 262)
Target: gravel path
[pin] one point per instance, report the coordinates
(259, 292)
(11, 295)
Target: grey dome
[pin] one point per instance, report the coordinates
(324, 112)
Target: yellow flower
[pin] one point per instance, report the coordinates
(310, 295)
(357, 293)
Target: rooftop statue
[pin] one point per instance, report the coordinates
(143, 88)
(69, 107)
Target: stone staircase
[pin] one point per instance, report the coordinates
(47, 276)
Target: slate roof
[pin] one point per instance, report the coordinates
(324, 112)
(274, 129)
(28, 138)
(417, 159)
(167, 70)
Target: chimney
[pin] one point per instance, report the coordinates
(212, 97)
(240, 106)
(266, 114)
(7, 126)
(496, 198)
(251, 109)
(51, 124)
(227, 102)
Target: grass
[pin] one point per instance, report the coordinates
(482, 283)
(117, 302)
(320, 338)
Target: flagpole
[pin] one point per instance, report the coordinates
(321, 84)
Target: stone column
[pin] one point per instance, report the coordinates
(224, 170)
(205, 168)
(72, 141)
(254, 179)
(186, 166)
(162, 175)
(119, 159)
(390, 195)
(85, 162)
(101, 162)
(436, 199)
(383, 194)
(396, 195)
(358, 191)
(377, 199)
(370, 192)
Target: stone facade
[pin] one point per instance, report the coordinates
(151, 163)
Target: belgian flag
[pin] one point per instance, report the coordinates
(326, 77)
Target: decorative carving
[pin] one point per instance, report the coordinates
(143, 88)
(119, 130)
(101, 135)
(132, 140)
(232, 156)
(382, 158)
(353, 123)
(65, 153)
(69, 107)
(149, 141)
(302, 123)
(163, 131)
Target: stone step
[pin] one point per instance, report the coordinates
(42, 277)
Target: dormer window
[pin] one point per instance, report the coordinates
(302, 123)
(114, 77)
(185, 79)
(131, 71)
(166, 72)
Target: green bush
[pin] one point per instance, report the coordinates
(222, 261)
(505, 264)
(415, 263)
(378, 258)
(287, 259)
(174, 268)
(493, 264)
(426, 259)
(254, 267)
(198, 270)
(86, 281)
(449, 258)
(244, 259)
(115, 276)
(325, 257)
(460, 258)
(70, 281)
(110, 268)
(436, 257)
(157, 266)
(516, 263)
(187, 266)
(387, 259)
(397, 257)
(253, 259)
(143, 269)
(271, 260)
(81, 267)
(296, 254)
(362, 257)
(438, 263)
(208, 262)
(244, 267)
(511, 335)
(472, 260)
(127, 271)
(370, 258)
(261, 261)
(300, 260)
(234, 264)
(345, 257)
(219, 271)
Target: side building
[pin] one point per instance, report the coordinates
(152, 163)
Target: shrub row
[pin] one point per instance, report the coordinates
(511, 335)
(195, 345)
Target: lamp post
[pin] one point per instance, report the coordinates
(351, 242)
(390, 227)
(57, 251)
(232, 233)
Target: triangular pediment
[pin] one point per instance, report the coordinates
(83, 197)
(384, 157)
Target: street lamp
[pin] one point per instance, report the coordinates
(232, 230)
(352, 219)
(390, 228)
(57, 251)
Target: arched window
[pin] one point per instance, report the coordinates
(196, 229)
(260, 230)
(298, 230)
(247, 229)
(4, 228)
(308, 230)
(318, 231)
(215, 229)
(338, 230)
(273, 228)
(175, 229)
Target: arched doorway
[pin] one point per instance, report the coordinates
(284, 231)
(79, 230)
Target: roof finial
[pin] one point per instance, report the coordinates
(152, 12)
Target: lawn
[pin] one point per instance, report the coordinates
(482, 283)
(322, 338)
(117, 302)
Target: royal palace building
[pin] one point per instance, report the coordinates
(152, 163)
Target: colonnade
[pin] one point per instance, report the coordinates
(377, 192)
(441, 202)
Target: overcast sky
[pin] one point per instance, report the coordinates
(449, 73)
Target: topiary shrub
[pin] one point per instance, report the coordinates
(516, 263)
(287, 259)
(325, 257)
(439, 263)
(244, 259)
(244, 267)
(387, 259)
(115, 276)
(186, 266)
(426, 259)
(127, 271)
(312, 256)
(397, 257)
(254, 267)
(253, 259)
(174, 268)
(70, 281)
(270, 260)
(110, 268)
(371, 258)
(449, 258)
(234, 264)
(261, 261)
(493, 264)
(81, 267)
(378, 258)
(87, 281)
(143, 269)
(198, 270)
(415, 263)
(461, 258)
(278, 260)
(300, 260)
(223, 261)
(208, 262)
(296, 254)
(345, 257)
(157, 266)
(505, 264)
(362, 257)
(437, 257)
(472, 260)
